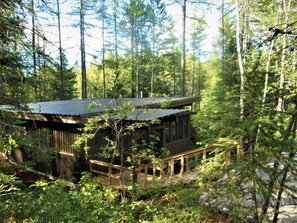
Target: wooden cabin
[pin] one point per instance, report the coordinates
(63, 120)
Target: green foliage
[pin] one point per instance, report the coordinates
(50, 84)
(9, 183)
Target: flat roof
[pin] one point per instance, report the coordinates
(73, 111)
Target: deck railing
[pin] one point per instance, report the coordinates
(165, 169)
(94, 164)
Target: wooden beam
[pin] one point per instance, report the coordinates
(182, 167)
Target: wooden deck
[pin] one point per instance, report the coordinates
(171, 169)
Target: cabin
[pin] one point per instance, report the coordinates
(63, 120)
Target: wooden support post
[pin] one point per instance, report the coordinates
(91, 168)
(171, 164)
(204, 154)
(162, 175)
(154, 171)
(145, 175)
(187, 164)
(196, 156)
(182, 167)
(238, 152)
(109, 175)
(228, 158)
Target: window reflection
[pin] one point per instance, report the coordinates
(176, 130)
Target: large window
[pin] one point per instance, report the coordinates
(173, 131)
(177, 130)
(185, 128)
(168, 131)
(181, 129)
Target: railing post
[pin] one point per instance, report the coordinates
(182, 167)
(154, 171)
(91, 168)
(171, 163)
(109, 175)
(145, 175)
(228, 158)
(161, 172)
(204, 154)
(187, 164)
(238, 152)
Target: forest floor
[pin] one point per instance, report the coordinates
(288, 206)
(27, 176)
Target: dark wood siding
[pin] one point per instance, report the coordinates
(63, 139)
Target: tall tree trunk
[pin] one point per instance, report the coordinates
(199, 77)
(137, 71)
(115, 16)
(137, 40)
(60, 53)
(174, 81)
(240, 61)
(280, 104)
(103, 60)
(34, 51)
(223, 35)
(132, 51)
(193, 73)
(183, 61)
(153, 62)
(83, 52)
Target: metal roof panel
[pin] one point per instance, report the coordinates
(79, 107)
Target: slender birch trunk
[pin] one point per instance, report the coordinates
(241, 65)
(183, 61)
(115, 17)
(223, 34)
(280, 105)
(103, 58)
(83, 51)
(34, 49)
(193, 73)
(174, 81)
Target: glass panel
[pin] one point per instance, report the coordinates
(173, 131)
(167, 132)
(186, 128)
(180, 128)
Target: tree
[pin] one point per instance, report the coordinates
(258, 179)
(60, 52)
(83, 50)
(34, 47)
(183, 61)
(197, 37)
(51, 80)
(158, 20)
